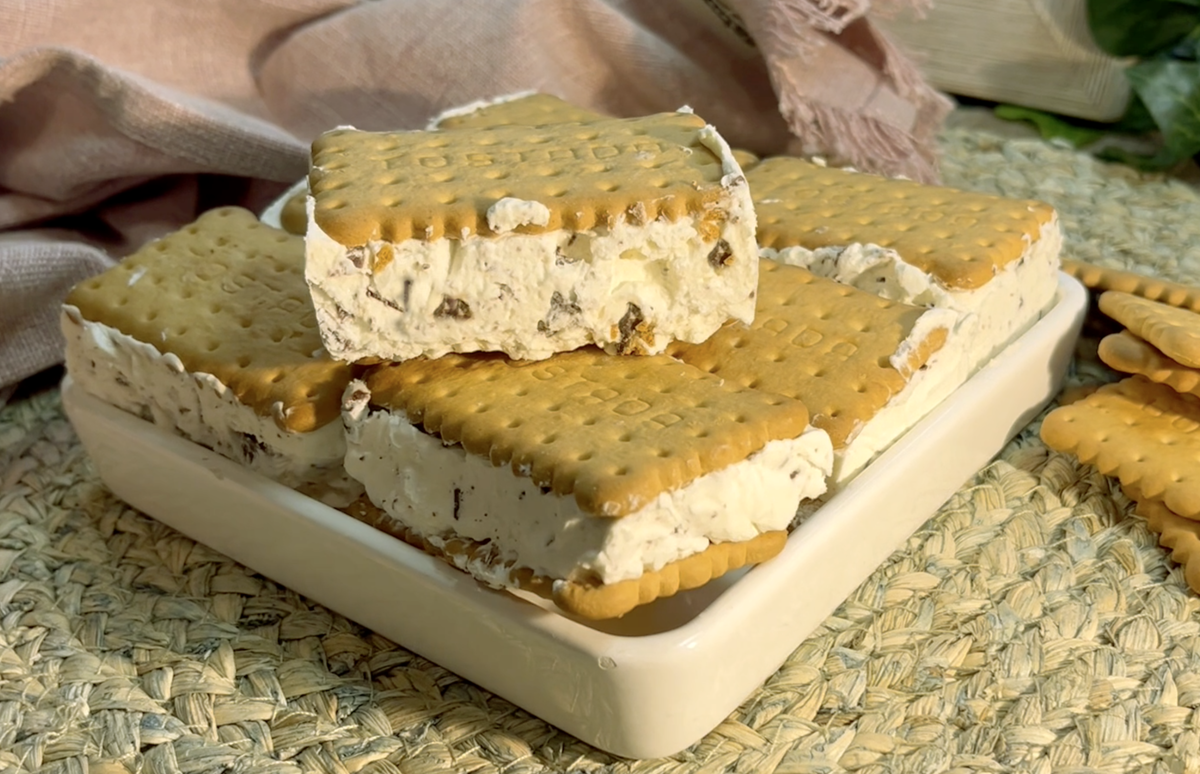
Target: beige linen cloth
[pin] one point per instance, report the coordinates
(123, 119)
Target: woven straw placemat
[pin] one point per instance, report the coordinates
(1033, 625)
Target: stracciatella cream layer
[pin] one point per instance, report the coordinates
(441, 492)
(982, 323)
(927, 387)
(633, 287)
(135, 377)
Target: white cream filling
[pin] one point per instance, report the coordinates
(135, 377)
(440, 491)
(509, 213)
(530, 296)
(984, 321)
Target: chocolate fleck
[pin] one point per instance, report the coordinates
(457, 502)
(721, 255)
(454, 308)
(628, 328)
(373, 293)
(357, 256)
(251, 447)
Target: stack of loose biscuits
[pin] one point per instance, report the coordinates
(545, 346)
(1143, 428)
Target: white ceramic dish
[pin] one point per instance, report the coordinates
(647, 685)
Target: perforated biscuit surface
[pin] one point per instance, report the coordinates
(396, 186)
(542, 110)
(614, 431)
(819, 341)
(1103, 278)
(1144, 433)
(1127, 353)
(530, 110)
(1174, 331)
(226, 295)
(960, 238)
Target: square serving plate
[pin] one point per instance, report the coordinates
(644, 686)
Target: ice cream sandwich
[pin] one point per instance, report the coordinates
(209, 332)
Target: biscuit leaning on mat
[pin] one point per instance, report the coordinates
(585, 469)
(1127, 353)
(210, 332)
(624, 233)
(992, 260)
(1102, 278)
(1143, 433)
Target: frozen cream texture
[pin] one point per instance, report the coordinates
(135, 377)
(509, 213)
(631, 288)
(441, 491)
(983, 322)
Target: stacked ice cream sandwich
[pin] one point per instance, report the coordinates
(562, 363)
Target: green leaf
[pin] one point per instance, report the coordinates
(1170, 90)
(1050, 126)
(1159, 162)
(1141, 27)
(1137, 119)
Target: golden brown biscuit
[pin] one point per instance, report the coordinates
(961, 238)
(394, 186)
(1143, 433)
(226, 295)
(613, 431)
(1173, 331)
(820, 342)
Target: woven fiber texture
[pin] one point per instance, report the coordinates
(1032, 625)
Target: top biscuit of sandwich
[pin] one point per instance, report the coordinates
(829, 345)
(226, 295)
(532, 109)
(395, 186)
(614, 431)
(536, 109)
(960, 238)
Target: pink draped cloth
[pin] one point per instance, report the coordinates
(121, 120)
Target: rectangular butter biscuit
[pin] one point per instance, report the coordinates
(210, 333)
(1143, 433)
(866, 367)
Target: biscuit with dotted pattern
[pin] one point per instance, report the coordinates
(226, 295)
(960, 238)
(1143, 433)
(537, 110)
(1127, 353)
(821, 342)
(395, 186)
(1173, 331)
(613, 431)
(1101, 278)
